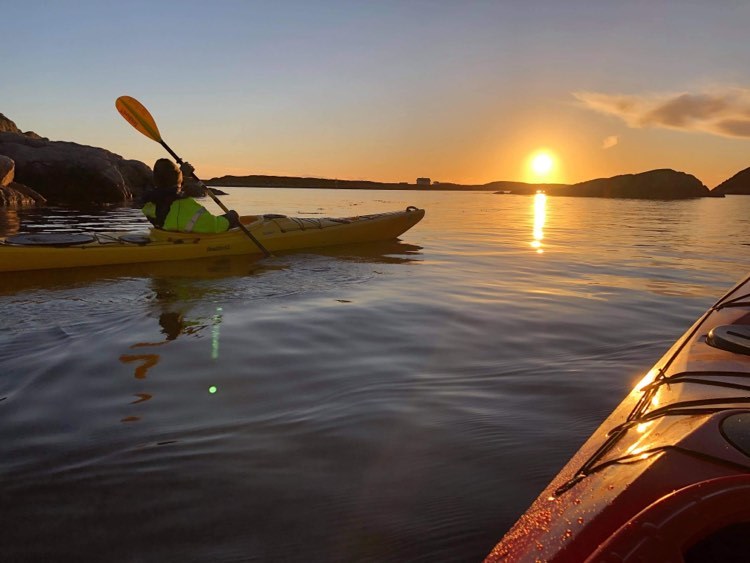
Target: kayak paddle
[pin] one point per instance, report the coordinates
(140, 118)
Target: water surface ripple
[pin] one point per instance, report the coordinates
(400, 401)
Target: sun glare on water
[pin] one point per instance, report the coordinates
(540, 216)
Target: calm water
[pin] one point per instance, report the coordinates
(403, 401)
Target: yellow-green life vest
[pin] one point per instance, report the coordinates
(188, 216)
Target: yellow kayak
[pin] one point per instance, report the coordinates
(275, 232)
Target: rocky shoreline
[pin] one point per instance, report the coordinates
(37, 171)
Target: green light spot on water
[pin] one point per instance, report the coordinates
(212, 389)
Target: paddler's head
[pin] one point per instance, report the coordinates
(167, 175)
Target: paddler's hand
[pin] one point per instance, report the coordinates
(187, 170)
(233, 217)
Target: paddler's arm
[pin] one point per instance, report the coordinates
(233, 218)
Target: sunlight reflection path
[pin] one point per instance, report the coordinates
(540, 216)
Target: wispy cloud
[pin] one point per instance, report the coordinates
(723, 112)
(610, 142)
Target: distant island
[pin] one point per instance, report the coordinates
(739, 184)
(422, 184)
(654, 184)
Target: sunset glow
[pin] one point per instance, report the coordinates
(542, 164)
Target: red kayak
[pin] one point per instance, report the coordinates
(667, 476)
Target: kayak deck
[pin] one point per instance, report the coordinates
(277, 233)
(646, 485)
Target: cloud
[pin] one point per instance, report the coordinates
(610, 142)
(723, 112)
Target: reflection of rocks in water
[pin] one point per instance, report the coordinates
(10, 223)
(18, 195)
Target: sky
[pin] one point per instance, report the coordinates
(459, 91)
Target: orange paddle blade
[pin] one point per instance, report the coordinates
(138, 116)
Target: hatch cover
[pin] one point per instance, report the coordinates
(736, 430)
(733, 338)
(49, 239)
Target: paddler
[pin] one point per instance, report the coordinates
(169, 209)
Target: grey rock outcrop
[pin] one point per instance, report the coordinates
(7, 170)
(13, 194)
(8, 126)
(70, 173)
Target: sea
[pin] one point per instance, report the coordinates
(397, 401)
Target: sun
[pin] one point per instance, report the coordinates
(542, 163)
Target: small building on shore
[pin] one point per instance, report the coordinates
(423, 181)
